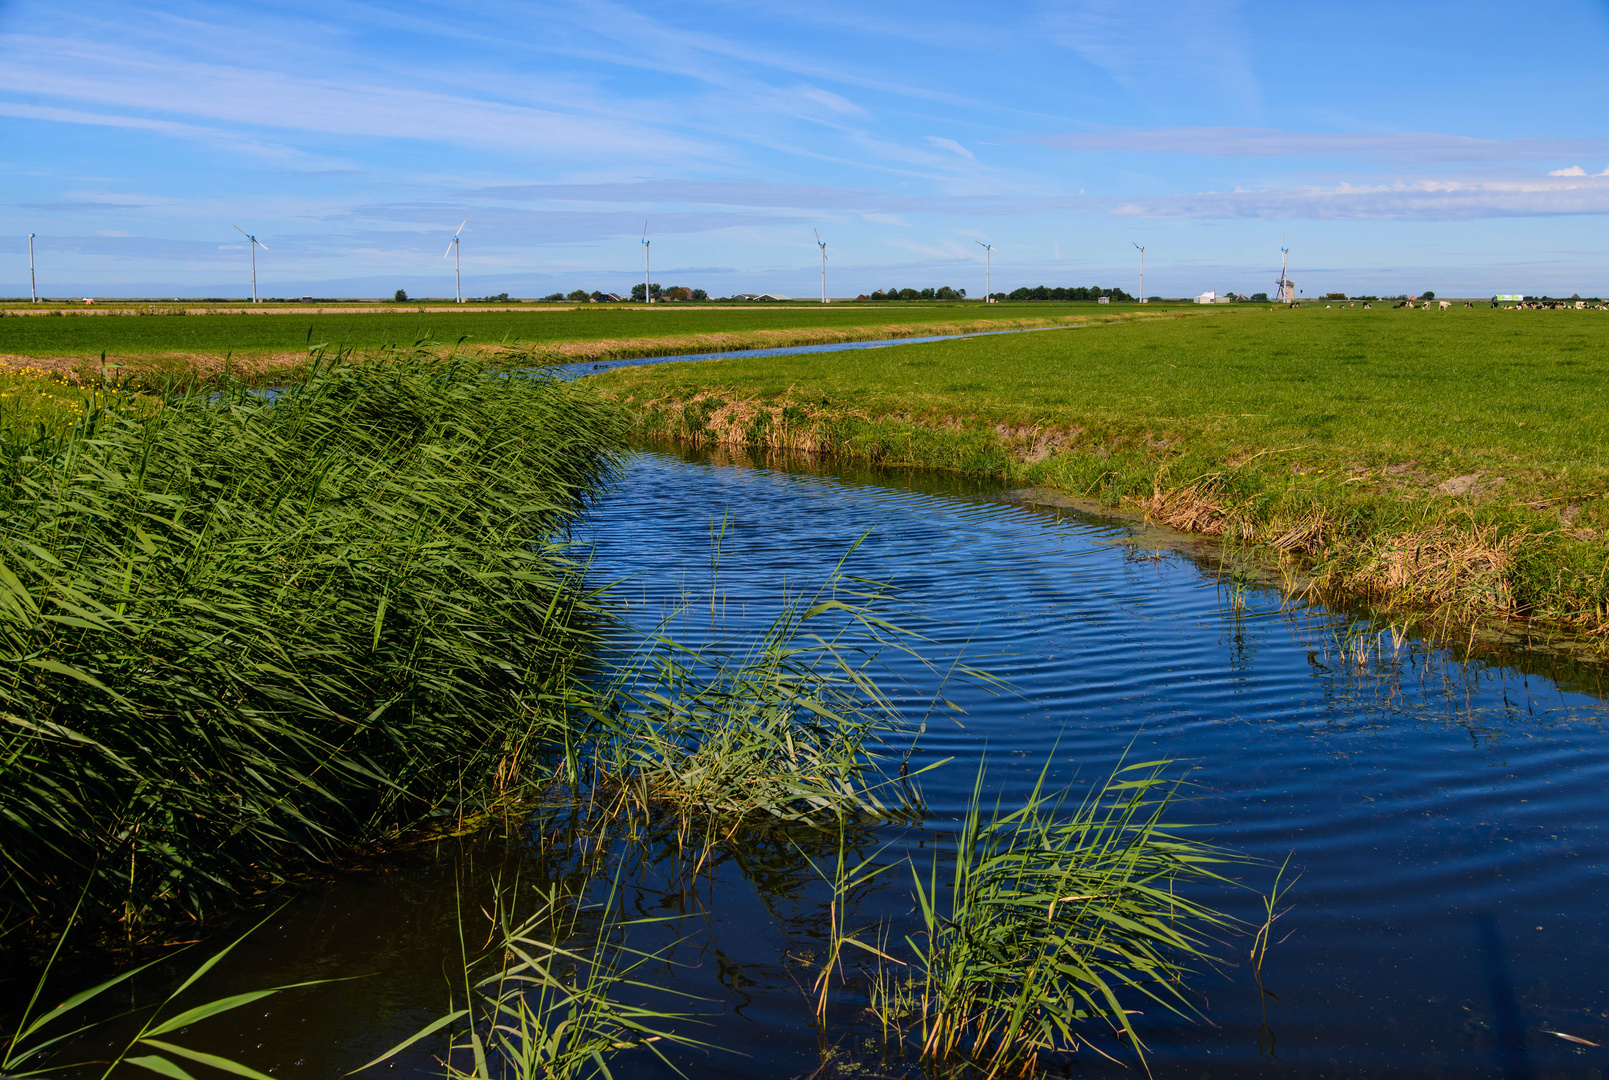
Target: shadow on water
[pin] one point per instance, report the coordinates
(1408, 787)
(1507, 1029)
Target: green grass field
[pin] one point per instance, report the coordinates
(1515, 391)
(243, 333)
(1382, 422)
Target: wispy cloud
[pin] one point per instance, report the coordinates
(1150, 50)
(120, 80)
(1418, 147)
(1573, 170)
(1420, 200)
(952, 146)
(835, 102)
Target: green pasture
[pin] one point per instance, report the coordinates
(1513, 392)
(1420, 459)
(76, 333)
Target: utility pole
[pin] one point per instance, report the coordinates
(822, 244)
(647, 271)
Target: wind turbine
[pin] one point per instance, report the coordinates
(647, 289)
(452, 249)
(822, 244)
(1142, 272)
(988, 270)
(254, 245)
(33, 282)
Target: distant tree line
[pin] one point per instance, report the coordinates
(944, 292)
(1045, 292)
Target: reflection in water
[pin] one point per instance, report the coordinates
(1415, 792)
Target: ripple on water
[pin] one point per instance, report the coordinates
(1420, 798)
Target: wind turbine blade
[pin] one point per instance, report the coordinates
(259, 243)
(241, 231)
(645, 232)
(461, 226)
(449, 250)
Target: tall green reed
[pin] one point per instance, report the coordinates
(41, 1040)
(545, 998)
(247, 632)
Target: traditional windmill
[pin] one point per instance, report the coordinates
(1287, 287)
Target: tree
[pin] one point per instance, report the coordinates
(1259, 297)
(700, 294)
(1429, 295)
(579, 295)
(637, 292)
(401, 297)
(552, 297)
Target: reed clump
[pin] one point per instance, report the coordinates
(790, 728)
(1056, 919)
(244, 633)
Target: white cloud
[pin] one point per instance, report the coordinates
(952, 146)
(1574, 170)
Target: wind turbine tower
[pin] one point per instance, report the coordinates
(1142, 272)
(988, 270)
(647, 289)
(33, 282)
(254, 244)
(823, 245)
(1287, 287)
(452, 249)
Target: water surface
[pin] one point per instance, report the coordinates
(1445, 816)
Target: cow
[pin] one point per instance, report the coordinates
(1445, 304)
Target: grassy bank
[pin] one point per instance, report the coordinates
(1420, 459)
(165, 343)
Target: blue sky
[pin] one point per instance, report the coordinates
(1394, 147)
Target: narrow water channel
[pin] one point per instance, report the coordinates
(1445, 817)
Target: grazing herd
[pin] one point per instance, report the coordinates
(1525, 305)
